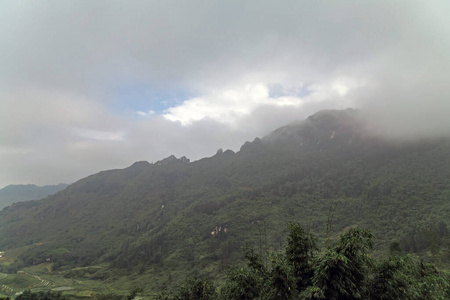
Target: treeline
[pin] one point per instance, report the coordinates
(343, 270)
(42, 295)
(434, 238)
(85, 255)
(53, 295)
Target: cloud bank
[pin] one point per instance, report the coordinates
(87, 86)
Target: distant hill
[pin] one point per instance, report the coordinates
(174, 218)
(26, 192)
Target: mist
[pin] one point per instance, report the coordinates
(88, 86)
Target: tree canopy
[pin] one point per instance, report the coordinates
(344, 270)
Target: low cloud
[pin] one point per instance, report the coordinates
(231, 106)
(227, 106)
(99, 135)
(233, 70)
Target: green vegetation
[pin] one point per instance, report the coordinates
(153, 225)
(345, 270)
(48, 295)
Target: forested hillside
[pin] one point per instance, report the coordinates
(343, 270)
(175, 218)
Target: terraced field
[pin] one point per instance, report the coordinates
(42, 278)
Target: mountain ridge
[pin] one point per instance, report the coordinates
(26, 192)
(151, 218)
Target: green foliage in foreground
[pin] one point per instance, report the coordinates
(111, 296)
(344, 270)
(48, 295)
(52, 295)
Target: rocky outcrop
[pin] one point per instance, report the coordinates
(172, 159)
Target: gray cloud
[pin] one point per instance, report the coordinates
(62, 63)
(75, 43)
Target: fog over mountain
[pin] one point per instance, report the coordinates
(87, 86)
(153, 225)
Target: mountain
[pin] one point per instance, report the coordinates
(155, 223)
(21, 192)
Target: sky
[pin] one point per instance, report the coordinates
(87, 86)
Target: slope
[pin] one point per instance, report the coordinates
(25, 192)
(173, 218)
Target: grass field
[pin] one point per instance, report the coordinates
(42, 277)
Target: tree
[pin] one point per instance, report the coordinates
(300, 252)
(241, 284)
(345, 271)
(340, 272)
(48, 295)
(197, 289)
(393, 279)
(281, 283)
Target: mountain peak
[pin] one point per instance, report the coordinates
(172, 159)
(332, 118)
(142, 163)
(321, 126)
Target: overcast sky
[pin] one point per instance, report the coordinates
(92, 85)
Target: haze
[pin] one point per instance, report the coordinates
(93, 85)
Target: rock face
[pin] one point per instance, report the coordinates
(318, 131)
(184, 159)
(321, 127)
(172, 159)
